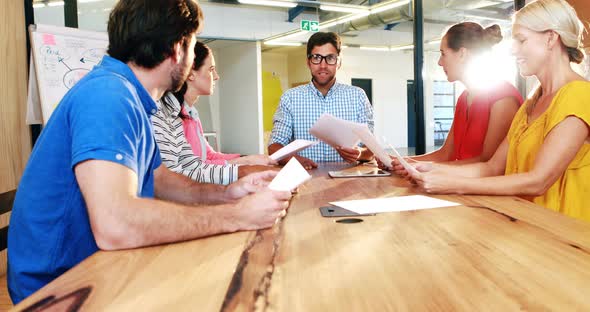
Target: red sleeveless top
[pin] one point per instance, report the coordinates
(470, 130)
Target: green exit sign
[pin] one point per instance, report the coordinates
(310, 25)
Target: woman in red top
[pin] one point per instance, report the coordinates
(483, 114)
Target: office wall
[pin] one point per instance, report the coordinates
(14, 133)
(240, 98)
(389, 72)
(277, 64)
(275, 80)
(297, 66)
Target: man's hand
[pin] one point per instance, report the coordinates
(355, 153)
(261, 209)
(249, 184)
(307, 163)
(349, 154)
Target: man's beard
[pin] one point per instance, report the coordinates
(180, 74)
(323, 83)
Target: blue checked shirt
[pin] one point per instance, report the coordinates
(300, 107)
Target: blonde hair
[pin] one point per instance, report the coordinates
(558, 16)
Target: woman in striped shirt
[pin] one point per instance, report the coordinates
(180, 138)
(201, 81)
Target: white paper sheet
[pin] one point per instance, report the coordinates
(393, 204)
(290, 177)
(292, 148)
(371, 142)
(335, 131)
(34, 114)
(409, 168)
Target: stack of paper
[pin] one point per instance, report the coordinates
(335, 131)
(390, 204)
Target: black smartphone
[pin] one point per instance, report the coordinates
(335, 211)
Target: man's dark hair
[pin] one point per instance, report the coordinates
(145, 31)
(321, 38)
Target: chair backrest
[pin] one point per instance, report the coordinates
(6, 201)
(3, 238)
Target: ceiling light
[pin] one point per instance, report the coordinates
(343, 8)
(343, 20)
(39, 5)
(282, 43)
(374, 48)
(402, 47)
(56, 3)
(390, 5)
(295, 34)
(275, 3)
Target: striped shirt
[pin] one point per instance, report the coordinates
(300, 107)
(175, 151)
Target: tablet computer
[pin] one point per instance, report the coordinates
(359, 172)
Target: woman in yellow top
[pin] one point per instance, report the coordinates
(546, 155)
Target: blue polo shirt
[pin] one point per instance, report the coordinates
(105, 116)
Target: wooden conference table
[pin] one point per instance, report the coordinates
(492, 253)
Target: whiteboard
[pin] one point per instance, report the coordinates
(61, 57)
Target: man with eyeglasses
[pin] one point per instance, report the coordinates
(300, 107)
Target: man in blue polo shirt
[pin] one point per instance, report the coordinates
(94, 172)
(300, 107)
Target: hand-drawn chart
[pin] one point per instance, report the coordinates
(63, 56)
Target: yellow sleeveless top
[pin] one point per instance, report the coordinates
(570, 194)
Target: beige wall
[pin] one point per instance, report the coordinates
(14, 133)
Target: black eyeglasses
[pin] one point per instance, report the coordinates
(331, 59)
